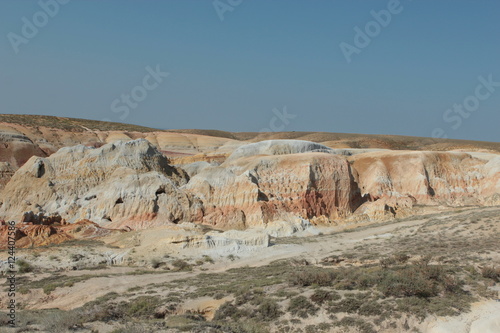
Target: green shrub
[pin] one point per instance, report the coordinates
(57, 321)
(49, 288)
(371, 308)
(23, 266)
(308, 277)
(255, 297)
(348, 304)
(362, 325)
(143, 306)
(321, 296)
(300, 306)
(268, 310)
(227, 310)
(407, 282)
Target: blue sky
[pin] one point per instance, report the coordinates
(230, 74)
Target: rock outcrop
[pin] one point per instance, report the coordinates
(274, 180)
(6, 172)
(117, 184)
(428, 178)
(29, 234)
(133, 185)
(278, 147)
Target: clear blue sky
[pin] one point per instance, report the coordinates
(230, 74)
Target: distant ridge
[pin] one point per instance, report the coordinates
(71, 124)
(333, 140)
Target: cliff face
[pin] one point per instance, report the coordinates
(133, 184)
(252, 191)
(449, 178)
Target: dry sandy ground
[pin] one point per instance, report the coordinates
(484, 316)
(312, 250)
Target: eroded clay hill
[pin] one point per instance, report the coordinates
(23, 136)
(130, 181)
(131, 184)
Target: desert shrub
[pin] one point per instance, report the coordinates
(23, 266)
(491, 272)
(321, 296)
(60, 321)
(24, 290)
(417, 306)
(181, 265)
(401, 258)
(387, 262)
(227, 310)
(424, 261)
(362, 325)
(407, 282)
(268, 310)
(94, 311)
(107, 297)
(54, 281)
(452, 284)
(48, 288)
(433, 272)
(323, 327)
(155, 262)
(348, 304)
(370, 308)
(300, 306)
(143, 306)
(308, 277)
(208, 259)
(255, 296)
(77, 256)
